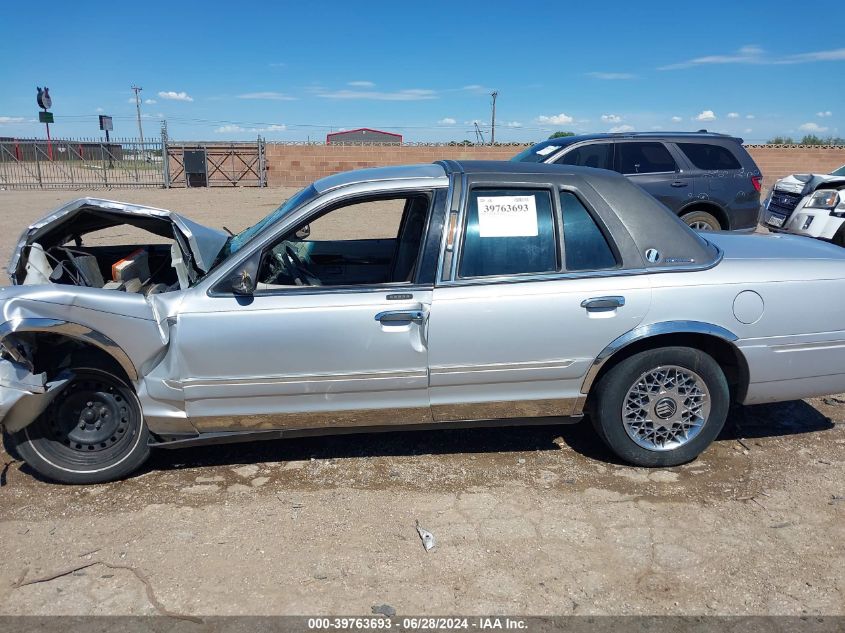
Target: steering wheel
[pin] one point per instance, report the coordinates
(300, 271)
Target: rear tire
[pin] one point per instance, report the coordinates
(701, 221)
(661, 407)
(92, 432)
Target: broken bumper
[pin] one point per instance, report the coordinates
(24, 395)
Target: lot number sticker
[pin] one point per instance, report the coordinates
(507, 216)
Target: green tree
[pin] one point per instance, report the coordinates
(781, 140)
(561, 134)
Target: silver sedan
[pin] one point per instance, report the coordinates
(450, 294)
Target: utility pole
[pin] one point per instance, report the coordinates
(138, 89)
(493, 94)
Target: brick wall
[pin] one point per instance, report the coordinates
(299, 165)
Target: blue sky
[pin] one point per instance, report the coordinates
(295, 70)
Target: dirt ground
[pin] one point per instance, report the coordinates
(536, 520)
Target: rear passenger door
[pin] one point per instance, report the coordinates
(531, 290)
(652, 166)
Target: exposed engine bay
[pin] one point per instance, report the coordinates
(54, 250)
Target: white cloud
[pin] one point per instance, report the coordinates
(555, 119)
(172, 95)
(7, 120)
(150, 101)
(446, 121)
(277, 64)
(621, 128)
(677, 119)
(706, 115)
(477, 89)
(611, 118)
(825, 113)
(361, 84)
(611, 76)
(131, 100)
(751, 54)
(410, 94)
(268, 96)
(749, 116)
(237, 129)
(733, 115)
(812, 127)
(748, 130)
(100, 110)
(513, 124)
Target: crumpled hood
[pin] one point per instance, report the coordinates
(805, 183)
(93, 214)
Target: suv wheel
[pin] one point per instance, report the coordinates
(661, 407)
(701, 221)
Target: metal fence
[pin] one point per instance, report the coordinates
(216, 164)
(80, 163)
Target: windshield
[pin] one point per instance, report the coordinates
(838, 172)
(237, 242)
(539, 152)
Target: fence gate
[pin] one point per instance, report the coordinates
(226, 165)
(80, 163)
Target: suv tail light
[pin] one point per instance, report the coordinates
(757, 181)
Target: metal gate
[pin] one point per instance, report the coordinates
(80, 163)
(226, 164)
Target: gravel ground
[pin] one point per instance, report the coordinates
(537, 520)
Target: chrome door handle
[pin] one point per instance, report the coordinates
(603, 303)
(397, 317)
(679, 183)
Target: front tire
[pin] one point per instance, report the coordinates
(701, 221)
(92, 432)
(661, 407)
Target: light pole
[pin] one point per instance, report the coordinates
(493, 94)
(137, 90)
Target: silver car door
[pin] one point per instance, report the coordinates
(304, 359)
(516, 338)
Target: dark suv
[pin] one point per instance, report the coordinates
(708, 179)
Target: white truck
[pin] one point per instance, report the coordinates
(808, 204)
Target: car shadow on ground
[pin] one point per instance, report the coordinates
(788, 418)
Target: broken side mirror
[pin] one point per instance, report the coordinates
(243, 284)
(303, 232)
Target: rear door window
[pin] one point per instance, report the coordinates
(644, 158)
(709, 157)
(594, 155)
(509, 232)
(585, 245)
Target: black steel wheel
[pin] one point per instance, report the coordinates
(92, 432)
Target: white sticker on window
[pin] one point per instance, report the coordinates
(547, 150)
(507, 216)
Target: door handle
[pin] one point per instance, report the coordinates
(679, 183)
(598, 304)
(397, 317)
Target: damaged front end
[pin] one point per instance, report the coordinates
(24, 395)
(56, 249)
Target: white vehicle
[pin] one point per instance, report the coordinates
(808, 204)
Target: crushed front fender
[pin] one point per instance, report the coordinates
(24, 395)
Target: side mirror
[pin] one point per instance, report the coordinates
(304, 232)
(243, 284)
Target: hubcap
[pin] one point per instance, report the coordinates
(665, 408)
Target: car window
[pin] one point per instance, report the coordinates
(585, 245)
(710, 157)
(594, 155)
(644, 158)
(509, 232)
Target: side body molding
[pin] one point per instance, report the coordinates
(75, 331)
(648, 331)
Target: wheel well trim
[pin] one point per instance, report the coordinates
(75, 331)
(651, 330)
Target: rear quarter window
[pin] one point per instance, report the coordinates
(710, 157)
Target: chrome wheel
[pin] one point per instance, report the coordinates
(666, 408)
(701, 226)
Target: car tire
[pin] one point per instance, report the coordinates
(661, 407)
(92, 432)
(701, 221)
